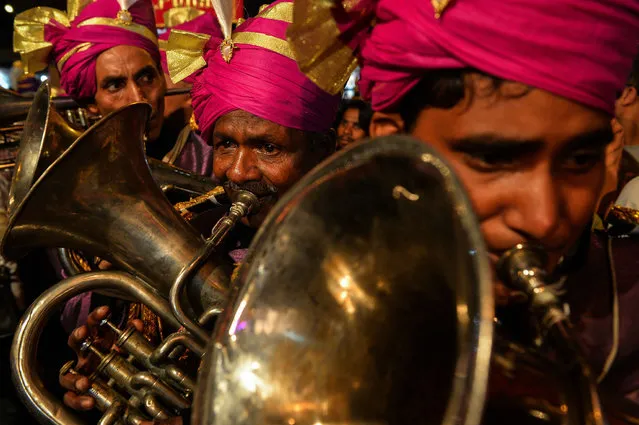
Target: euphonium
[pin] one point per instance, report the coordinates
(367, 298)
(100, 197)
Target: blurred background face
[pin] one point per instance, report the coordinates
(127, 74)
(349, 129)
(533, 164)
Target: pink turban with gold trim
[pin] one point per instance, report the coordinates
(204, 23)
(74, 43)
(578, 49)
(261, 77)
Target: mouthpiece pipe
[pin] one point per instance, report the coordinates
(242, 205)
(524, 268)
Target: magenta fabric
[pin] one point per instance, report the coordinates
(196, 156)
(77, 76)
(204, 24)
(261, 82)
(579, 49)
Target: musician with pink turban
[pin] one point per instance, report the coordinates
(265, 122)
(518, 97)
(106, 52)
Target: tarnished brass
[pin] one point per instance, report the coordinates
(46, 408)
(45, 136)
(99, 196)
(108, 401)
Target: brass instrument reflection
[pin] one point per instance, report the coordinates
(344, 286)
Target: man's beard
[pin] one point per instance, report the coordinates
(264, 191)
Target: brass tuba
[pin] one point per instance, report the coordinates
(99, 196)
(366, 299)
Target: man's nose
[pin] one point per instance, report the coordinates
(244, 167)
(135, 94)
(348, 128)
(536, 209)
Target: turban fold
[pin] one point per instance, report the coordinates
(43, 35)
(578, 49)
(186, 19)
(261, 77)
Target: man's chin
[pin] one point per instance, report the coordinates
(344, 142)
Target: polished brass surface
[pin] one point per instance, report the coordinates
(366, 298)
(99, 196)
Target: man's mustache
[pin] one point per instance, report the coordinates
(260, 189)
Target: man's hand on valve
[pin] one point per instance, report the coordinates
(78, 384)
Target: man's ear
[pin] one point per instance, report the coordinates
(628, 96)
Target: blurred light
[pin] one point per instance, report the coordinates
(5, 78)
(8, 8)
(43, 78)
(345, 281)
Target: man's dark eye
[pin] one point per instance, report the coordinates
(224, 144)
(486, 161)
(114, 86)
(147, 78)
(270, 148)
(583, 161)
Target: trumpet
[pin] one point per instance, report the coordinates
(98, 195)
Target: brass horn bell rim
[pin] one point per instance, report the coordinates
(15, 215)
(42, 120)
(469, 383)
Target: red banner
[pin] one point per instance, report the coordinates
(162, 6)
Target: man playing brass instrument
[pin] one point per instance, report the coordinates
(517, 96)
(106, 52)
(266, 122)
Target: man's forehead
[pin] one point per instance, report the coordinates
(122, 60)
(536, 115)
(247, 125)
